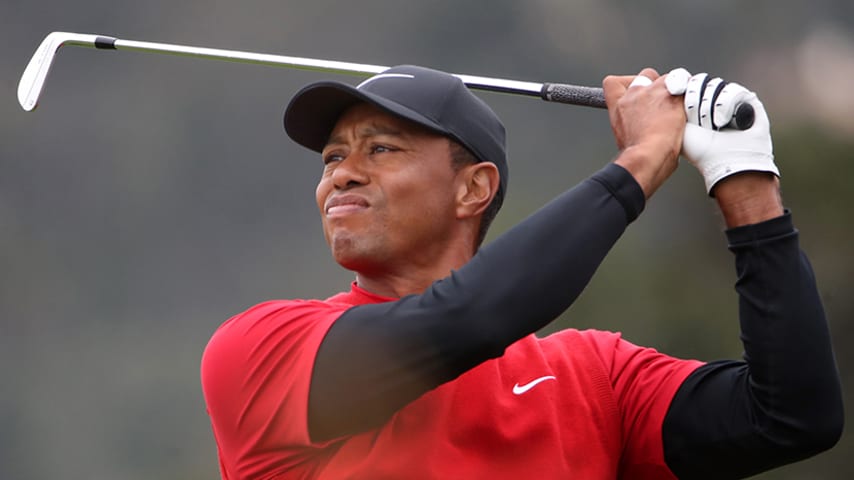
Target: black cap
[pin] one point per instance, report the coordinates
(436, 100)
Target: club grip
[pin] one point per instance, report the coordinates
(595, 97)
(573, 95)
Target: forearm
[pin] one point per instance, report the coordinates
(748, 198)
(510, 289)
(783, 403)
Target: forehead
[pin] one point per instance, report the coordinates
(364, 119)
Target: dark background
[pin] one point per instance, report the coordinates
(151, 197)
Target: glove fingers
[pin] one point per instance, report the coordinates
(711, 91)
(676, 81)
(693, 96)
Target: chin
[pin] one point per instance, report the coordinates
(356, 254)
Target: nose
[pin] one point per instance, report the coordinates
(350, 172)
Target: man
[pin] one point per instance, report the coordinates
(428, 367)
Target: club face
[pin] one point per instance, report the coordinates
(34, 76)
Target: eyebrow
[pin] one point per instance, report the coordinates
(371, 130)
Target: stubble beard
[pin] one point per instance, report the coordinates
(357, 252)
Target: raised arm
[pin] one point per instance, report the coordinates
(782, 403)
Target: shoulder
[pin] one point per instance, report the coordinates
(268, 337)
(286, 326)
(274, 315)
(282, 311)
(621, 358)
(600, 344)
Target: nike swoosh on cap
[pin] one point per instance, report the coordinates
(384, 75)
(520, 389)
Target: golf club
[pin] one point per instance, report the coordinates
(34, 76)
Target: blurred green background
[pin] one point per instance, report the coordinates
(151, 197)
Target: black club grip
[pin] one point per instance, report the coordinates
(595, 97)
(573, 95)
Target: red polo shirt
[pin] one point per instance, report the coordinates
(575, 404)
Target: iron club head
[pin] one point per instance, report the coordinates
(32, 81)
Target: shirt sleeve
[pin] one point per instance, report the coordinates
(255, 376)
(644, 382)
(783, 401)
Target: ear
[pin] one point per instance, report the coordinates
(477, 186)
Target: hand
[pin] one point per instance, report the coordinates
(648, 124)
(716, 150)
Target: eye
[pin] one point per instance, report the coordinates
(376, 148)
(332, 157)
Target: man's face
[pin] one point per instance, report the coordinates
(386, 197)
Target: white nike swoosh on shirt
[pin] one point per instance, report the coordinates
(520, 389)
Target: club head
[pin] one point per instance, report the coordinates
(32, 81)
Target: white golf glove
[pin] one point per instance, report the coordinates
(711, 143)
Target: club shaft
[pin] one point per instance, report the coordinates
(312, 64)
(250, 57)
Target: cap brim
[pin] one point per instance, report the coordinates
(313, 112)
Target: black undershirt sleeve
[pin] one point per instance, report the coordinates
(377, 358)
(733, 419)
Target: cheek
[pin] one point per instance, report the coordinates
(422, 210)
(324, 189)
(320, 194)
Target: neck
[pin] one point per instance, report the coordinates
(410, 278)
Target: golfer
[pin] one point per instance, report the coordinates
(427, 367)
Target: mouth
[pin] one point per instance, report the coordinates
(345, 205)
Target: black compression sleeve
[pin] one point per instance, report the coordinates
(783, 403)
(513, 287)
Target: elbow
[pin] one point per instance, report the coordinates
(818, 428)
(824, 433)
(830, 418)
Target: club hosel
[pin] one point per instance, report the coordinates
(105, 43)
